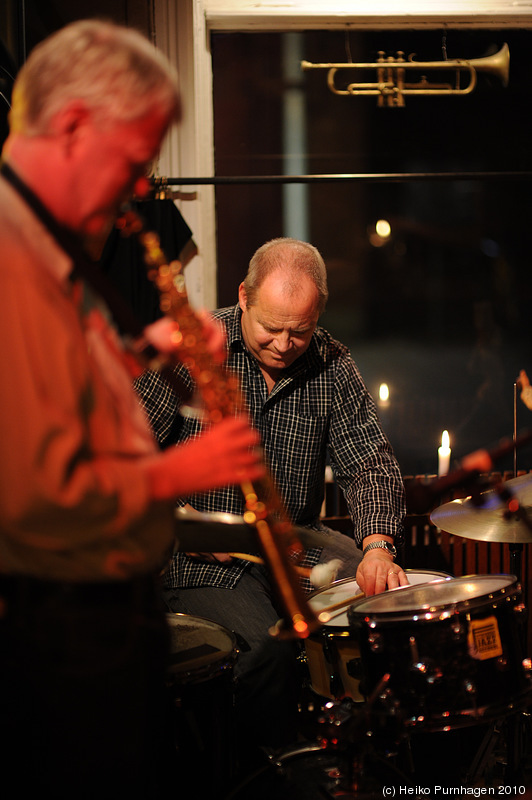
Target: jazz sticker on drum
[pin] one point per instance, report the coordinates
(484, 639)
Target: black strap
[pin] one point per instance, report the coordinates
(84, 268)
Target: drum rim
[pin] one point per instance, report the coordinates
(437, 573)
(223, 661)
(210, 622)
(440, 610)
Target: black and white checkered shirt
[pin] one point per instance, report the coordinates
(319, 408)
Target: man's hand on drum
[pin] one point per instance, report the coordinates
(377, 571)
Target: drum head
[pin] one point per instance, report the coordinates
(431, 599)
(343, 590)
(337, 592)
(197, 646)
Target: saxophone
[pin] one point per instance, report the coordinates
(222, 397)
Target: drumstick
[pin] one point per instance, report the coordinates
(304, 571)
(325, 614)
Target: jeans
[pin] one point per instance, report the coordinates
(267, 671)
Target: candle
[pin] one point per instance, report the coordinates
(444, 454)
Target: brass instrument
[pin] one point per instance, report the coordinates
(221, 395)
(391, 85)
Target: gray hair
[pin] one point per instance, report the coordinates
(115, 70)
(294, 258)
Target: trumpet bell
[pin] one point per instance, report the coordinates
(498, 64)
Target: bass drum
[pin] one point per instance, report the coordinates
(444, 655)
(310, 772)
(332, 653)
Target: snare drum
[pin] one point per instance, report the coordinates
(444, 654)
(201, 689)
(332, 653)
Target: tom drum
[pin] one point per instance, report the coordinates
(444, 654)
(332, 652)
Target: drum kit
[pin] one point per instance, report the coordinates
(444, 656)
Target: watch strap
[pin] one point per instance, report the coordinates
(380, 545)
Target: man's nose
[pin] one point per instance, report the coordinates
(283, 342)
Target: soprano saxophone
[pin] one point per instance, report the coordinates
(222, 397)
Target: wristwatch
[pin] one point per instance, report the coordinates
(382, 545)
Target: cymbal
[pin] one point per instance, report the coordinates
(489, 519)
(218, 532)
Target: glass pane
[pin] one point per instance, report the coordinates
(439, 310)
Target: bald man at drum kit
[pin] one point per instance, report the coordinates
(308, 401)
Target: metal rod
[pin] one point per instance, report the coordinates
(379, 177)
(515, 430)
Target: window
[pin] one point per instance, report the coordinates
(440, 309)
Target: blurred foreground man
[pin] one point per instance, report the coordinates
(86, 498)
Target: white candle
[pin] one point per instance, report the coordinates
(444, 454)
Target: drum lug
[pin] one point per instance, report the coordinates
(431, 673)
(457, 629)
(375, 642)
(354, 668)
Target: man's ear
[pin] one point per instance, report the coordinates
(70, 121)
(242, 297)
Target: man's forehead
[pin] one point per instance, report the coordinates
(289, 313)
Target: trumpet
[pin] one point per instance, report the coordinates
(391, 84)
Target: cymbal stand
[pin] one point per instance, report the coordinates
(515, 430)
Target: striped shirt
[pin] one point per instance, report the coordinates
(319, 410)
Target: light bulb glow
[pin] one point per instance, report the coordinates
(383, 228)
(384, 392)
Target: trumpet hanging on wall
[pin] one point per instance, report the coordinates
(393, 75)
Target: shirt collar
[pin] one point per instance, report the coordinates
(235, 338)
